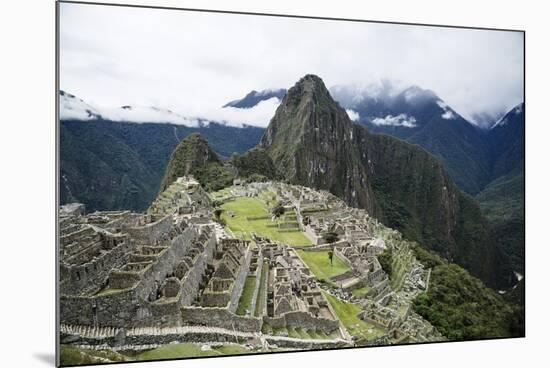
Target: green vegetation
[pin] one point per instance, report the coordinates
(115, 165)
(109, 291)
(260, 303)
(278, 210)
(361, 291)
(246, 296)
(71, 355)
(213, 176)
(347, 314)
(330, 237)
(247, 215)
(254, 164)
(193, 156)
(460, 306)
(319, 264)
(503, 198)
(503, 204)
(396, 264)
(187, 350)
(386, 260)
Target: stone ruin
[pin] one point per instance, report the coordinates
(173, 274)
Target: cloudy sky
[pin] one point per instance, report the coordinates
(195, 62)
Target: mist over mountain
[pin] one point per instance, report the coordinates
(112, 165)
(255, 97)
(421, 117)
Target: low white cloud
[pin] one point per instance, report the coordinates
(353, 115)
(448, 114)
(193, 60)
(401, 120)
(258, 115)
(145, 114)
(72, 107)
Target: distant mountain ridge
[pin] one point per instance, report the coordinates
(111, 165)
(421, 117)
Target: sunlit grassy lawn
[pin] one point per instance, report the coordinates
(244, 207)
(319, 264)
(187, 350)
(347, 314)
(246, 296)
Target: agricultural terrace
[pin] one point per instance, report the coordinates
(347, 314)
(319, 264)
(245, 215)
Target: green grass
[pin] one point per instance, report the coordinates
(319, 264)
(109, 291)
(71, 355)
(188, 350)
(260, 302)
(252, 207)
(246, 296)
(362, 291)
(347, 314)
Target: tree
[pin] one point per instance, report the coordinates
(278, 210)
(386, 259)
(330, 256)
(330, 237)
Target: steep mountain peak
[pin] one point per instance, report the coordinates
(307, 109)
(309, 86)
(310, 140)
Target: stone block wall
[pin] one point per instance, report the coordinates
(131, 307)
(150, 233)
(257, 285)
(240, 279)
(89, 277)
(219, 317)
(299, 319)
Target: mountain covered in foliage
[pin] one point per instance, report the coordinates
(503, 199)
(112, 165)
(313, 142)
(193, 156)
